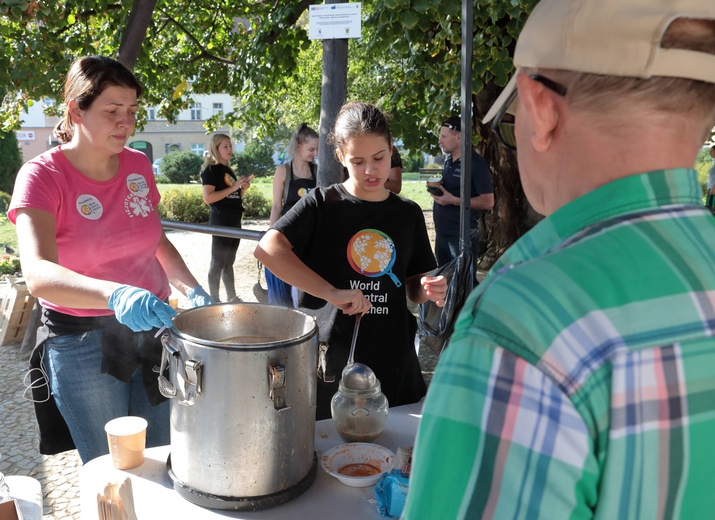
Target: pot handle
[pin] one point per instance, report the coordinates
(323, 363)
(166, 388)
(192, 387)
(277, 379)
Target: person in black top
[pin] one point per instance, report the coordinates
(357, 248)
(291, 182)
(446, 211)
(222, 191)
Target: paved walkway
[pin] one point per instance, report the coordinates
(59, 474)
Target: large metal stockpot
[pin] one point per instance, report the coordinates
(242, 378)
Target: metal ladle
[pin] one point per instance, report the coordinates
(357, 376)
(351, 357)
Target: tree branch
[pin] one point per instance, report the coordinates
(204, 54)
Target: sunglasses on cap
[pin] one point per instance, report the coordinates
(503, 123)
(451, 126)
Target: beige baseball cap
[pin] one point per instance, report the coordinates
(609, 37)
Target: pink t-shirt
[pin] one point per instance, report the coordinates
(108, 230)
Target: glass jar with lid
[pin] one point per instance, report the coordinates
(359, 407)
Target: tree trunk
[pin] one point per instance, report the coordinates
(135, 31)
(333, 94)
(512, 215)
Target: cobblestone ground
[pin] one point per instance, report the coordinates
(59, 474)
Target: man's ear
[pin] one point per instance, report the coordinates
(543, 111)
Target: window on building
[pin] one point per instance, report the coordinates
(172, 147)
(218, 109)
(195, 111)
(151, 113)
(197, 148)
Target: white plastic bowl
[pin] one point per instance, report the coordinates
(357, 453)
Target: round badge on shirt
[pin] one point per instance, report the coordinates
(137, 185)
(89, 207)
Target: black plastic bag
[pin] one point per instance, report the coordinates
(710, 203)
(438, 322)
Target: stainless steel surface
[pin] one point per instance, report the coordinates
(351, 357)
(168, 354)
(358, 377)
(249, 430)
(208, 229)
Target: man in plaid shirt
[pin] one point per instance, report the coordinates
(580, 379)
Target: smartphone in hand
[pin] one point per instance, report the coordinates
(434, 190)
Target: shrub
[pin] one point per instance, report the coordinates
(413, 162)
(4, 202)
(11, 160)
(181, 167)
(255, 204)
(256, 159)
(9, 264)
(184, 205)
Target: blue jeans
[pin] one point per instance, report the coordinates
(279, 292)
(88, 399)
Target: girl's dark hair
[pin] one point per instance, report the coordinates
(301, 135)
(358, 119)
(87, 78)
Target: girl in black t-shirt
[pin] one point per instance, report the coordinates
(223, 191)
(356, 248)
(291, 182)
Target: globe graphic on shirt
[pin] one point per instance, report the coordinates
(372, 253)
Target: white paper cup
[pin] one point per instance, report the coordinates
(434, 181)
(127, 439)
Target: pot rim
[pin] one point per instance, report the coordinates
(174, 332)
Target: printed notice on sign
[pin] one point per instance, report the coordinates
(330, 21)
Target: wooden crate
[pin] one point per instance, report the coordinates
(15, 310)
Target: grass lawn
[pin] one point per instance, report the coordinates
(412, 188)
(8, 236)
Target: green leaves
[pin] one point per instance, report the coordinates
(409, 19)
(407, 62)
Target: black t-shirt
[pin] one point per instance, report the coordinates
(446, 218)
(221, 177)
(297, 187)
(376, 247)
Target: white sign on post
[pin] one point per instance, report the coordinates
(25, 136)
(332, 21)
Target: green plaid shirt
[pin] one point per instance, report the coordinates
(580, 379)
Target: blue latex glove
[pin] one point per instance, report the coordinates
(139, 309)
(198, 297)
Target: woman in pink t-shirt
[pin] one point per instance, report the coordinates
(94, 254)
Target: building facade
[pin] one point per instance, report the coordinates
(156, 139)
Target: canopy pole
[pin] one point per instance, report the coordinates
(466, 180)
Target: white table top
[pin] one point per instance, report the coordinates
(27, 492)
(154, 496)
